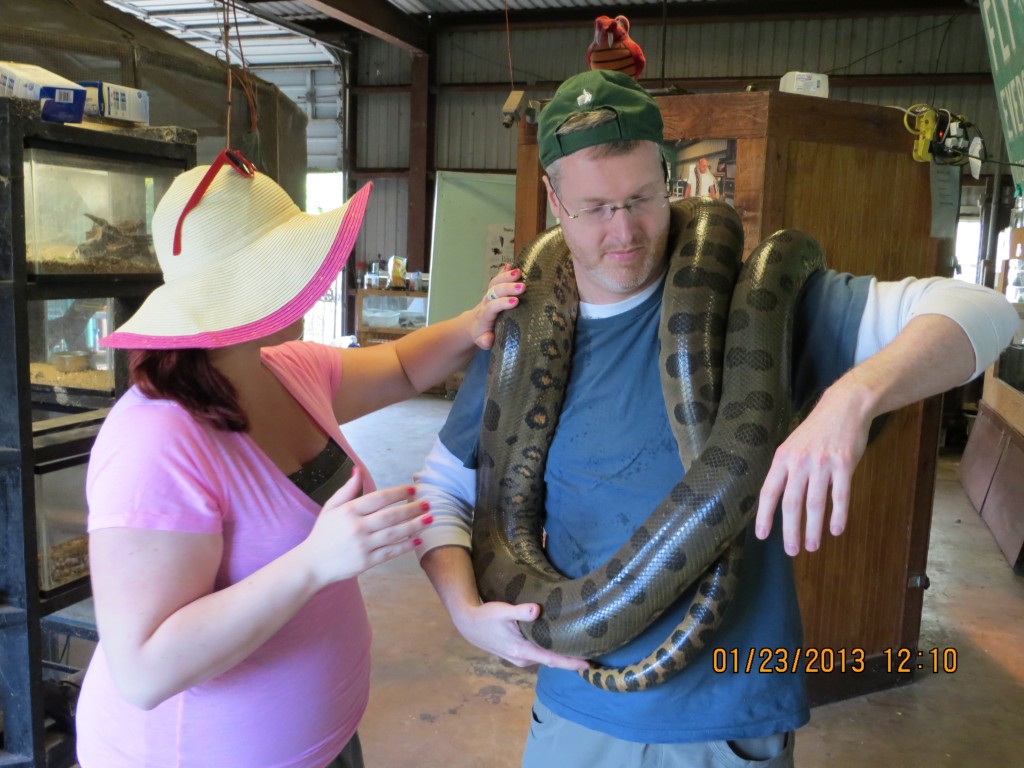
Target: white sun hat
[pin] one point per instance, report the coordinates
(240, 261)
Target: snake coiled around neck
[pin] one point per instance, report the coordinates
(726, 341)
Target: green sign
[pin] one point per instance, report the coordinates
(1004, 30)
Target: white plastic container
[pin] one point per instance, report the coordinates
(381, 318)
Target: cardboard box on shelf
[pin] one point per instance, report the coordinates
(806, 83)
(116, 102)
(60, 100)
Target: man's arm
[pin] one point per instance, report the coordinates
(450, 487)
(933, 335)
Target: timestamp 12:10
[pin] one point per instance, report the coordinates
(908, 660)
(902, 661)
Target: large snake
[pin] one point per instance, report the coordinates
(725, 359)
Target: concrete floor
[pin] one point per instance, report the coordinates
(438, 702)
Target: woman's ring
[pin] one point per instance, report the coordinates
(492, 295)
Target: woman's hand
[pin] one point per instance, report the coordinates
(502, 294)
(354, 533)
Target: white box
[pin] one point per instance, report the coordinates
(116, 102)
(805, 83)
(60, 100)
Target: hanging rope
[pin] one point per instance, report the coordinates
(226, 36)
(508, 47)
(250, 141)
(664, 39)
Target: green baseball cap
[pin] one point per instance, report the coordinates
(638, 116)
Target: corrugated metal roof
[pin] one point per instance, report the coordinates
(271, 34)
(270, 39)
(266, 36)
(470, 6)
(275, 36)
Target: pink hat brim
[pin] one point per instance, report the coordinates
(281, 318)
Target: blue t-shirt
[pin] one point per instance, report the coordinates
(612, 461)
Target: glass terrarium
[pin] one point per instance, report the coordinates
(90, 215)
(396, 312)
(64, 349)
(60, 524)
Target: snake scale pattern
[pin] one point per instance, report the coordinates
(725, 338)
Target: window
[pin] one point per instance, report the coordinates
(325, 322)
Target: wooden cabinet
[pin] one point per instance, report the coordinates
(844, 173)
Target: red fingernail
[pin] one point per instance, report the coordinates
(425, 506)
(427, 519)
(514, 273)
(411, 490)
(417, 541)
(513, 301)
(519, 286)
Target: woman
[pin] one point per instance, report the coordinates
(228, 516)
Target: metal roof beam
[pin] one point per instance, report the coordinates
(702, 13)
(378, 19)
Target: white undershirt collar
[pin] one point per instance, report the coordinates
(598, 311)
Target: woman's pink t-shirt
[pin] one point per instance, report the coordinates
(296, 701)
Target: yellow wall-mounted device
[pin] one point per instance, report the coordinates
(924, 126)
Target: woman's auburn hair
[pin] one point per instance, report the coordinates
(187, 377)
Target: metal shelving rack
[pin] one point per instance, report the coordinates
(27, 738)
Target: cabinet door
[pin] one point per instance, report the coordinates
(1004, 511)
(981, 455)
(864, 589)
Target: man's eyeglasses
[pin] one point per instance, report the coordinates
(598, 214)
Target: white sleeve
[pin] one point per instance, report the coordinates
(450, 488)
(987, 318)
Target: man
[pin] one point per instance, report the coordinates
(701, 182)
(867, 344)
